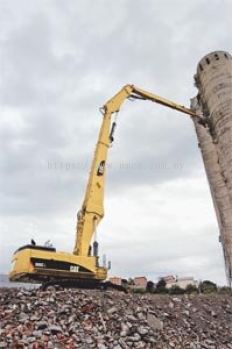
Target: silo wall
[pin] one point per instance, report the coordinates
(214, 83)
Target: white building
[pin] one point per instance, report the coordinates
(182, 282)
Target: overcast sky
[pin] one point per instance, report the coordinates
(60, 61)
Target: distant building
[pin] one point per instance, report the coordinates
(183, 282)
(170, 280)
(140, 282)
(116, 280)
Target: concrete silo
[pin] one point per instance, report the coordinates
(214, 100)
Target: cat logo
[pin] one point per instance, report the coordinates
(101, 168)
(74, 268)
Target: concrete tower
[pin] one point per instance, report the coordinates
(214, 100)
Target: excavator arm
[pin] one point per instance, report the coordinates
(92, 210)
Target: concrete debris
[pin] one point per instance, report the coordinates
(154, 322)
(109, 320)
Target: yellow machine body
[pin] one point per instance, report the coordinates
(40, 264)
(43, 264)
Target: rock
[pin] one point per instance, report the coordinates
(23, 317)
(142, 330)
(134, 338)
(58, 345)
(41, 325)
(124, 330)
(131, 317)
(101, 346)
(3, 345)
(88, 340)
(37, 333)
(55, 329)
(31, 339)
(154, 322)
(112, 310)
(141, 316)
(111, 320)
(186, 312)
(35, 318)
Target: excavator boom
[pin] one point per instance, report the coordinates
(92, 210)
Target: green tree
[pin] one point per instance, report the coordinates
(150, 287)
(224, 290)
(191, 289)
(161, 286)
(130, 281)
(139, 290)
(207, 286)
(175, 289)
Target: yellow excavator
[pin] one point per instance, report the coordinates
(43, 264)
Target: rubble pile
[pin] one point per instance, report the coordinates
(83, 319)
